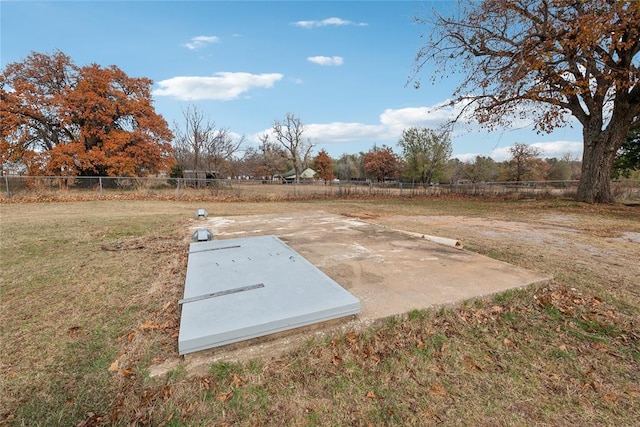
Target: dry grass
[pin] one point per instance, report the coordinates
(89, 293)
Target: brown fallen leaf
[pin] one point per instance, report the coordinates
(437, 390)
(351, 337)
(167, 392)
(223, 397)
(148, 325)
(469, 363)
(371, 395)
(115, 366)
(337, 360)
(237, 381)
(127, 372)
(600, 347)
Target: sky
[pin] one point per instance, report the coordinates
(342, 67)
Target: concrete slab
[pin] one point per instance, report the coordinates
(389, 271)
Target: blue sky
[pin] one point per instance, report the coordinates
(341, 67)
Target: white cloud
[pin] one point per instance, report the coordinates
(201, 41)
(344, 132)
(547, 150)
(402, 117)
(559, 148)
(387, 131)
(433, 117)
(328, 21)
(500, 154)
(326, 60)
(223, 86)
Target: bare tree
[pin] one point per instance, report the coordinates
(221, 148)
(289, 134)
(523, 162)
(200, 145)
(191, 140)
(273, 155)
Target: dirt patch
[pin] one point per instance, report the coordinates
(554, 243)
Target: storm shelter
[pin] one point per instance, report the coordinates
(237, 289)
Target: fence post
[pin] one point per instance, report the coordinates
(6, 181)
(100, 185)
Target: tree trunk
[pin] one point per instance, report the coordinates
(597, 162)
(296, 170)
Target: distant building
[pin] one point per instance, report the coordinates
(198, 178)
(306, 175)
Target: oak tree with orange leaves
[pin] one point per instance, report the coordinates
(323, 163)
(64, 120)
(549, 60)
(382, 163)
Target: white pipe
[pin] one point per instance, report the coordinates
(440, 240)
(443, 241)
(436, 239)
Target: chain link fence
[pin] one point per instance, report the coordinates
(43, 187)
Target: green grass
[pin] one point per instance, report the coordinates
(86, 284)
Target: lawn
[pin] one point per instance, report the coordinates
(89, 307)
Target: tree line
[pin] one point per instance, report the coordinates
(549, 60)
(383, 164)
(424, 157)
